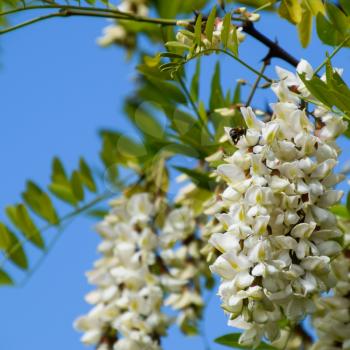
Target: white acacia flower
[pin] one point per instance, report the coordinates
(128, 297)
(277, 234)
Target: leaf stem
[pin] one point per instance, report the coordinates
(335, 51)
(256, 83)
(29, 22)
(235, 58)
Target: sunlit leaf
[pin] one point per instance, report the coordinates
(232, 341)
(5, 279)
(13, 247)
(209, 26)
(40, 202)
(20, 217)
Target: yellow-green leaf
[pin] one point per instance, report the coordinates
(291, 10)
(19, 216)
(198, 30)
(315, 6)
(77, 187)
(226, 29)
(305, 27)
(86, 176)
(12, 247)
(209, 26)
(338, 18)
(40, 202)
(5, 279)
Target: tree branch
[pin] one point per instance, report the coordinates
(67, 11)
(274, 49)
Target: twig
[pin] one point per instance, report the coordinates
(275, 49)
(67, 11)
(336, 50)
(256, 83)
(235, 58)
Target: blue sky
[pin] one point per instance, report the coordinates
(57, 88)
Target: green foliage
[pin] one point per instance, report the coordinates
(332, 93)
(232, 341)
(69, 189)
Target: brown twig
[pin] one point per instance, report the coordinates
(274, 49)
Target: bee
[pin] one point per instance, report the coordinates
(236, 134)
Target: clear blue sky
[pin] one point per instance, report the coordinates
(57, 88)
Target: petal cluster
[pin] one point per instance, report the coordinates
(127, 301)
(278, 235)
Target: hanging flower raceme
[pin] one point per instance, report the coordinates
(126, 313)
(183, 261)
(278, 234)
(332, 318)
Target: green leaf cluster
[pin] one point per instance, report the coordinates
(69, 189)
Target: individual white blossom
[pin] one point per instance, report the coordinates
(128, 297)
(277, 234)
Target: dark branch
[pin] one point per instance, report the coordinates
(274, 49)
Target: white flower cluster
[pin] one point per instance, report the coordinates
(127, 301)
(332, 318)
(187, 38)
(118, 34)
(278, 233)
(181, 256)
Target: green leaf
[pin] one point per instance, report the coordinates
(341, 210)
(217, 99)
(315, 6)
(337, 18)
(58, 174)
(171, 55)
(40, 202)
(86, 176)
(13, 247)
(5, 279)
(77, 186)
(98, 213)
(170, 90)
(202, 180)
(19, 216)
(226, 29)
(232, 341)
(290, 10)
(305, 27)
(63, 192)
(177, 44)
(194, 90)
(345, 4)
(326, 32)
(234, 43)
(348, 202)
(198, 30)
(209, 26)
